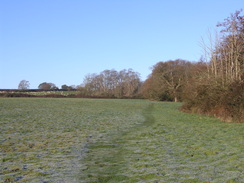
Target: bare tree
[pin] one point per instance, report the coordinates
(218, 90)
(24, 85)
(109, 83)
(173, 75)
(232, 47)
(224, 54)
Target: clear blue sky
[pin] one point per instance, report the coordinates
(61, 41)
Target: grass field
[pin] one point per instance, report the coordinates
(108, 140)
(40, 93)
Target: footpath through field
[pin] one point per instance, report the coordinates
(168, 146)
(105, 140)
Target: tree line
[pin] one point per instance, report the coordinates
(219, 89)
(112, 83)
(214, 85)
(25, 85)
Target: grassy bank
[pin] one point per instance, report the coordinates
(102, 140)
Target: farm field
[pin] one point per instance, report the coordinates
(112, 140)
(63, 93)
(39, 93)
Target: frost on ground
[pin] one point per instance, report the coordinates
(87, 140)
(167, 147)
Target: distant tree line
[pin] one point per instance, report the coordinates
(112, 83)
(214, 85)
(25, 85)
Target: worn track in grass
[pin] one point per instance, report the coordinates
(86, 140)
(167, 148)
(106, 159)
(196, 148)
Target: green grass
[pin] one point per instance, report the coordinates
(104, 140)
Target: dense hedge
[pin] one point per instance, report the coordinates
(226, 103)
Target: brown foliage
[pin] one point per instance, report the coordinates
(112, 84)
(167, 80)
(219, 90)
(212, 99)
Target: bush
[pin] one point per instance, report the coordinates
(233, 101)
(212, 98)
(15, 95)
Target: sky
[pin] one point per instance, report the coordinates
(62, 41)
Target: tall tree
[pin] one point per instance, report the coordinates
(167, 79)
(227, 58)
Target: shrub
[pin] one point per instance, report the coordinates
(210, 97)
